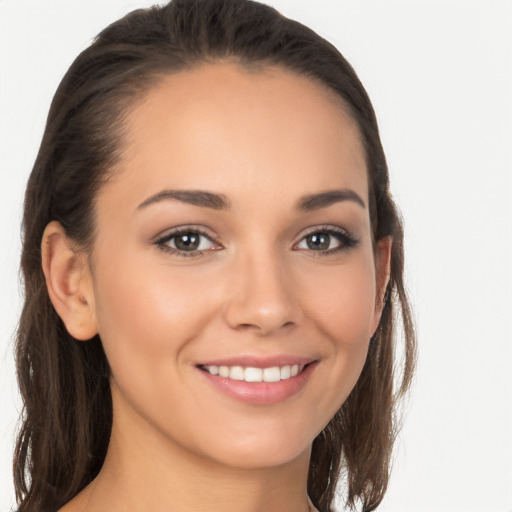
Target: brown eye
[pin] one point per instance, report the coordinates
(327, 241)
(321, 241)
(318, 241)
(187, 241)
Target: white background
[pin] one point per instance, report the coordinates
(440, 76)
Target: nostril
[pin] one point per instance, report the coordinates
(264, 327)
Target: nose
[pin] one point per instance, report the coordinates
(262, 298)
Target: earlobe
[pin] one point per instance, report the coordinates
(382, 275)
(68, 281)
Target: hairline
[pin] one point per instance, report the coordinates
(136, 90)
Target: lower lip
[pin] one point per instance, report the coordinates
(260, 393)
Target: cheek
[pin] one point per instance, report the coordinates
(343, 303)
(146, 314)
(148, 317)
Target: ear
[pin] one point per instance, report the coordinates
(69, 283)
(382, 274)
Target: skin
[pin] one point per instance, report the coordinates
(263, 140)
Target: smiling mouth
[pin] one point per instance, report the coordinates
(252, 374)
(259, 382)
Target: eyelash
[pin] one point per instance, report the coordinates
(347, 241)
(162, 242)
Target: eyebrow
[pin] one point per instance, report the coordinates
(194, 197)
(325, 199)
(220, 202)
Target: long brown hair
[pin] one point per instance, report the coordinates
(64, 383)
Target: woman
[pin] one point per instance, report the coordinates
(213, 272)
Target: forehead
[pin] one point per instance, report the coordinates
(225, 128)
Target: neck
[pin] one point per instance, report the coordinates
(146, 471)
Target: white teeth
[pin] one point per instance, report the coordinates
(272, 374)
(285, 372)
(236, 373)
(250, 374)
(253, 375)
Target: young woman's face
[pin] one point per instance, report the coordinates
(233, 250)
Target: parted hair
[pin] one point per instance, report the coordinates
(67, 416)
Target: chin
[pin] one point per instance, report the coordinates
(263, 457)
(261, 449)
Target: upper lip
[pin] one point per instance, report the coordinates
(254, 361)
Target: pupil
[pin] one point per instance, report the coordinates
(187, 242)
(318, 241)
